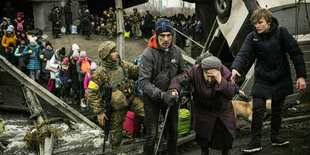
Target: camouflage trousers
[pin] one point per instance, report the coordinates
(118, 119)
(135, 29)
(109, 28)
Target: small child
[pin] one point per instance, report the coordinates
(63, 76)
(10, 55)
(82, 66)
(92, 68)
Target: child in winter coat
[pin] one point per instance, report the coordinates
(10, 54)
(82, 66)
(92, 68)
(9, 37)
(63, 75)
(34, 64)
(46, 55)
(19, 23)
(55, 63)
(22, 60)
(73, 77)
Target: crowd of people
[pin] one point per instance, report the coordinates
(73, 77)
(136, 25)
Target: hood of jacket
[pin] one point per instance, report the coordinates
(272, 30)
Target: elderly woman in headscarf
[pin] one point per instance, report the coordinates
(214, 121)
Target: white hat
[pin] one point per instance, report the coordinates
(75, 47)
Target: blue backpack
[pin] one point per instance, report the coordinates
(49, 16)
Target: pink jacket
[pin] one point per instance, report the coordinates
(87, 80)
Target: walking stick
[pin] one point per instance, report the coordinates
(162, 130)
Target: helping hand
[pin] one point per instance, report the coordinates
(234, 72)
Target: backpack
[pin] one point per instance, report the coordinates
(49, 16)
(20, 26)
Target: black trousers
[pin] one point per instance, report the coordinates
(259, 108)
(151, 110)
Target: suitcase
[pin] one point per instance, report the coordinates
(184, 122)
(132, 124)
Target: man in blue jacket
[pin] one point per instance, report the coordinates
(268, 45)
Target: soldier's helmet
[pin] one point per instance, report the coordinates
(105, 49)
(111, 9)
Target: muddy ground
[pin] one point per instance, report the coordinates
(297, 131)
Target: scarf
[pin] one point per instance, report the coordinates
(110, 64)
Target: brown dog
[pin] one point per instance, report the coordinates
(244, 109)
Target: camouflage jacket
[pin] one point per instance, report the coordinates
(102, 77)
(111, 17)
(136, 17)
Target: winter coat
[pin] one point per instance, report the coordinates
(68, 14)
(152, 63)
(6, 40)
(64, 76)
(21, 58)
(148, 21)
(34, 61)
(73, 74)
(78, 68)
(15, 22)
(56, 16)
(46, 54)
(55, 63)
(272, 75)
(87, 80)
(86, 23)
(211, 102)
(20, 38)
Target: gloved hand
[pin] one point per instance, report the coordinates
(30, 51)
(183, 80)
(169, 98)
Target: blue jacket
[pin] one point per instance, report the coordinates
(272, 76)
(34, 62)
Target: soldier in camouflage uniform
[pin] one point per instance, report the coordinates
(111, 22)
(119, 75)
(135, 28)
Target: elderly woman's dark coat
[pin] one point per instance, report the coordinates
(211, 102)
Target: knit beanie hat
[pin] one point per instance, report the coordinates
(62, 51)
(83, 54)
(32, 40)
(9, 29)
(65, 61)
(163, 25)
(211, 62)
(75, 54)
(48, 44)
(93, 66)
(75, 47)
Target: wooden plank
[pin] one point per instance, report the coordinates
(36, 109)
(45, 94)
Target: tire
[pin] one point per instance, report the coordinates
(223, 8)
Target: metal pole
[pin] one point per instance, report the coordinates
(188, 37)
(120, 28)
(162, 131)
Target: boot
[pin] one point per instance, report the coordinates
(204, 150)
